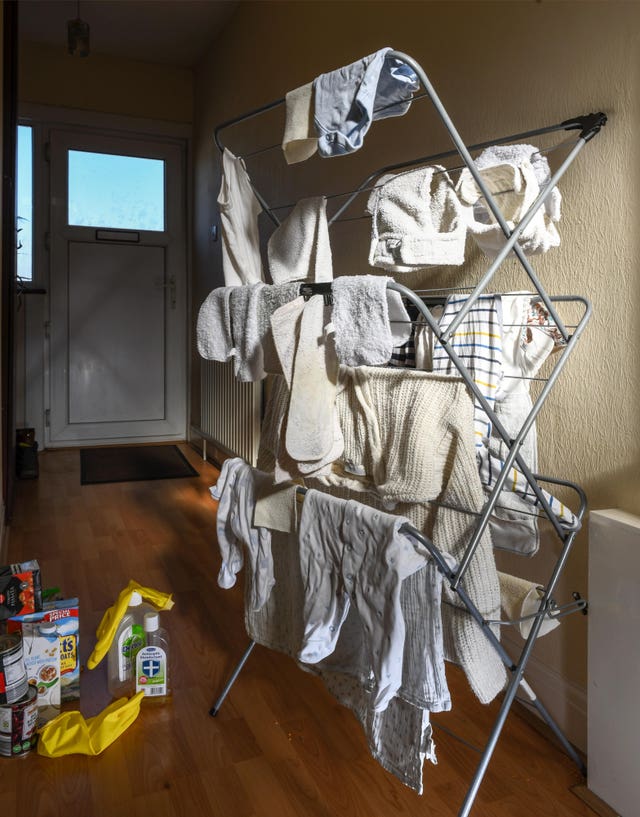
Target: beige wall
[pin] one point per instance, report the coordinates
(49, 76)
(499, 68)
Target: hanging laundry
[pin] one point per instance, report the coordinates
(236, 491)
(478, 343)
(408, 440)
(308, 436)
(348, 99)
(368, 319)
(352, 553)
(300, 140)
(528, 338)
(239, 211)
(213, 327)
(244, 306)
(417, 221)
(299, 249)
(514, 175)
(520, 598)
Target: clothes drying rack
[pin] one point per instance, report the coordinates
(587, 126)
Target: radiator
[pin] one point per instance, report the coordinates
(230, 411)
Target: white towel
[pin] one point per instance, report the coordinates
(300, 140)
(299, 249)
(213, 328)
(360, 317)
(519, 598)
(417, 221)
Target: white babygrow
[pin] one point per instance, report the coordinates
(236, 492)
(350, 552)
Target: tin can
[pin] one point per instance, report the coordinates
(13, 673)
(18, 724)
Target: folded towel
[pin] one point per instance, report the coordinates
(519, 598)
(299, 249)
(213, 328)
(417, 221)
(360, 318)
(300, 140)
(245, 329)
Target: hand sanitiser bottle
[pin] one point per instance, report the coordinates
(152, 662)
(128, 640)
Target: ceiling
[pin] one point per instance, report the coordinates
(173, 32)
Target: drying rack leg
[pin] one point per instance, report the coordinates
(509, 697)
(216, 707)
(546, 716)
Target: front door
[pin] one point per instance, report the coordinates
(117, 331)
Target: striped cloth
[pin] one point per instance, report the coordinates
(478, 344)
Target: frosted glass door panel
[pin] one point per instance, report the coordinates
(122, 192)
(116, 333)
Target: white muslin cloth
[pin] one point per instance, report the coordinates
(299, 249)
(239, 211)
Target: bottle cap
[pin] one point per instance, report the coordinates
(47, 628)
(151, 622)
(136, 599)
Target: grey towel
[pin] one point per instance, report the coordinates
(245, 329)
(213, 328)
(360, 317)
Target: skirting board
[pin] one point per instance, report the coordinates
(593, 801)
(566, 701)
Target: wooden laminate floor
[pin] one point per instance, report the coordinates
(280, 746)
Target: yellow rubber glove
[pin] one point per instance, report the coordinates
(113, 616)
(71, 734)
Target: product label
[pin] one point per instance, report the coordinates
(124, 662)
(68, 653)
(151, 671)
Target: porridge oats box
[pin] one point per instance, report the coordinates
(41, 646)
(64, 615)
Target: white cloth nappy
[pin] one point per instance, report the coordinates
(515, 175)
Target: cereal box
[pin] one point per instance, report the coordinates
(41, 645)
(65, 615)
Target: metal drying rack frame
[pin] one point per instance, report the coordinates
(588, 126)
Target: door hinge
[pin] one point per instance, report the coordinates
(47, 418)
(46, 149)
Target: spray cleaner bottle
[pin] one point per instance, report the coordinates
(127, 642)
(152, 661)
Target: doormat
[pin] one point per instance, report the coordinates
(133, 463)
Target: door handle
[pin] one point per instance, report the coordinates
(171, 286)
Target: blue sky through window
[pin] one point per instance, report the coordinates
(118, 192)
(24, 203)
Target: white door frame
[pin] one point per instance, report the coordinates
(174, 240)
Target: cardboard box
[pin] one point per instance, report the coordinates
(42, 662)
(65, 615)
